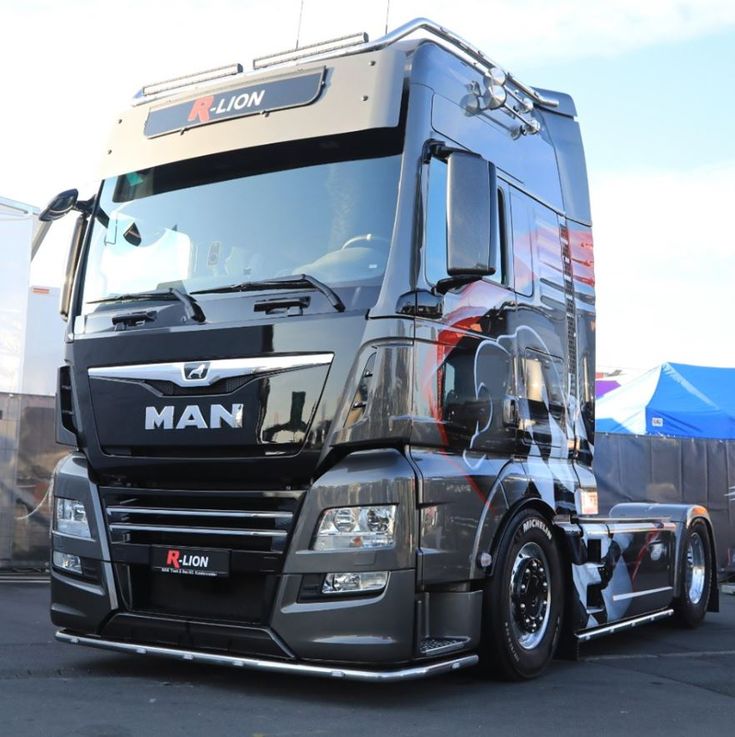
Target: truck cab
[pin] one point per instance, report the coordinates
(329, 378)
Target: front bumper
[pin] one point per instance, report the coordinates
(259, 614)
(275, 666)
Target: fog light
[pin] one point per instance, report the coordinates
(354, 583)
(66, 562)
(71, 518)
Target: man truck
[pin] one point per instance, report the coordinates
(329, 378)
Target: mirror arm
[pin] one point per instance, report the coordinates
(439, 150)
(450, 282)
(85, 206)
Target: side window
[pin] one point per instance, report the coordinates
(435, 261)
(501, 242)
(544, 380)
(436, 222)
(522, 265)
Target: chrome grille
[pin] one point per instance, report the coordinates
(254, 521)
(253, 526)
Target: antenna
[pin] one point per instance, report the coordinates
(301, 15)
(387, 14)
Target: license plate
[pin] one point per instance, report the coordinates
(191, 561)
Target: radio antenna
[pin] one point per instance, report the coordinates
(387, 14)
(298, 30)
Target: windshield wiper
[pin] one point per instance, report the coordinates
(191, 306)
(296, 281)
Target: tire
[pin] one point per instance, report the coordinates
(696, 576)
(521, 626)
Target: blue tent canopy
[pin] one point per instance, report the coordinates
(673, 399)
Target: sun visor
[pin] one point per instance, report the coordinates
(347, 95)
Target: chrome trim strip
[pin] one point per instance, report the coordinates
(216, 370)
(125, 527)
(634, 594)
(276, 666)
(163, 512)
(623, 526)
(592, 634)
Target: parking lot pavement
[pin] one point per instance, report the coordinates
(657, 680)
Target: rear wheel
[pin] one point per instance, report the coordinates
(696, 575)
(523, 601)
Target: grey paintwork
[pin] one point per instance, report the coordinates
(361, 92)
(457, 461)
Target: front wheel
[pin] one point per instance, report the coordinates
(522, 605)
(696, 575)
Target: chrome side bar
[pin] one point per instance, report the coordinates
(275, 666)
(626, 624)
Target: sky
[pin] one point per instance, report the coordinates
(652, 82)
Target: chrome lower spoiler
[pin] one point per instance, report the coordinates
(276, 666)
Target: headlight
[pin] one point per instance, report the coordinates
(349, 528)
(71, 518)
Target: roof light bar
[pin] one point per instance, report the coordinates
(323, 47)
(153, 90)
(449, 40)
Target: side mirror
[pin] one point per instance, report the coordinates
(472, 217)
(59, 205)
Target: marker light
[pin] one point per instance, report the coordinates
(587, 501)
(346, 528)
(71, 518)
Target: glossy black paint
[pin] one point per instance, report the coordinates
(111, 414)
(459, 405)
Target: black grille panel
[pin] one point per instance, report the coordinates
(223, 386)
(253, 526)
(245, 598)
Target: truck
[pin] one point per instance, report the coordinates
(329, 379)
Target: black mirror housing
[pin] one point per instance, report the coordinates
(472, 216)
(60, 205)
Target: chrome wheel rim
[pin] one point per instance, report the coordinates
(530, 596)
(696, 568)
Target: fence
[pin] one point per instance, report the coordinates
(28, 455)
(634, 468)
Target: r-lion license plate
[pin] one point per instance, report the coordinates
(191, 561)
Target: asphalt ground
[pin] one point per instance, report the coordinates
(656, 680)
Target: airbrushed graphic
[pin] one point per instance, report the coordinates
(455, 387)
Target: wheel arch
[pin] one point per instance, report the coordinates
(713, 603)
(535, 503)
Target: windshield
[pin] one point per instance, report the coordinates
(244, 216)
